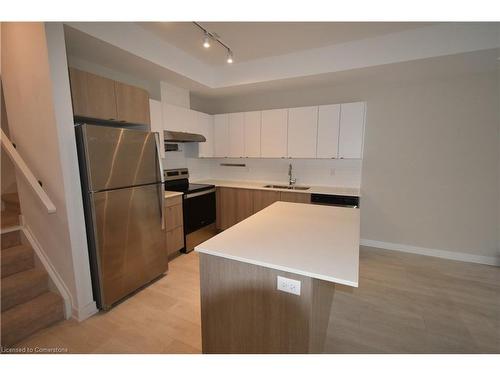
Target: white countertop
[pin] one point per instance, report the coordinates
(170, 194)
(334, 190)
(311, 240)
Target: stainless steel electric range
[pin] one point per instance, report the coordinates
(198, 206)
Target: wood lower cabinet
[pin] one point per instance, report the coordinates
(264, 198)
(101, 98)
(174, 227)
(235, 204)
(132, 104)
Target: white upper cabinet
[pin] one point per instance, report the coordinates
(328, 131)
(274, 133)
(352, 124)
(206, 128)
(221, 135)
(236, 135)
(156, 118)
(252, 134)
(302, 132)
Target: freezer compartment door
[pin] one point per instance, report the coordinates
(129, 240)
(116, 157)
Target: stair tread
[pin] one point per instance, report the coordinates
(24, 319)
(16, 259)
(23, 286)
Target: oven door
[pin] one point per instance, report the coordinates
(199, 210)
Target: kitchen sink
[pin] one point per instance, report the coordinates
(287, 187)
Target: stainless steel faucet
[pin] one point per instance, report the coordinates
(291, 179)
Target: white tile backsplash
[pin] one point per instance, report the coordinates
(321, 172)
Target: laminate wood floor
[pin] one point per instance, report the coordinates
(405, 303)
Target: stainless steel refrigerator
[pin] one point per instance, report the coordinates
(122, 182)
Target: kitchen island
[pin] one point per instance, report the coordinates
(312, 247)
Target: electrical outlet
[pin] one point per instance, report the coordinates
(288, 285)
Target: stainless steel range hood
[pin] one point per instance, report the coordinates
(182, 137)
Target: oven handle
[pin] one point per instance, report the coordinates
(192, 195)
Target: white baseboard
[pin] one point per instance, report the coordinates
(85, 312)
(53, 275)
(464, 257)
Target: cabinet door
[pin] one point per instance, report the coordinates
(352, 124)
(173, 217)
(252, 134)
(328, 131)
(157, 122)
(175, 240)
(274, 133)
(206, 128)
(226, 207)
(233, 206)
(78, 81)
(286, 196)
(302, 132)
(132, 104)
(264, 198)
(221, 136)
(101, 100)
(236, 135)
(244, 204)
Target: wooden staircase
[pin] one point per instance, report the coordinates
(27, 304)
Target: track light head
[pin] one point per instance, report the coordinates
(229, 56)
(206, 41)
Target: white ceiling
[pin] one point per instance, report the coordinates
(439, 50)
(256, 40)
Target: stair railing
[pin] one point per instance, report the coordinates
(26, 173)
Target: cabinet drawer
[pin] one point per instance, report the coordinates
(175, 240)
(173, 216)
(173, 201)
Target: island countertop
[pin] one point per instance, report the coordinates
(317, 241)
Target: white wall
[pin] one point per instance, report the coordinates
(345, 173)
(431, 158)
(37, 97)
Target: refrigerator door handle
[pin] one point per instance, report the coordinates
(161, 187)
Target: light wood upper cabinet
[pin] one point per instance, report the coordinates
(78, 81)
(101, 99)
(236, 125)
(206, 128)
(328, 131)
(252, 134)
(221, 135)
(302, 132)
(157, 122)
(274, 133)
(132, 104)
(352, 124)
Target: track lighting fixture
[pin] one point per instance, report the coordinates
(208, 37)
